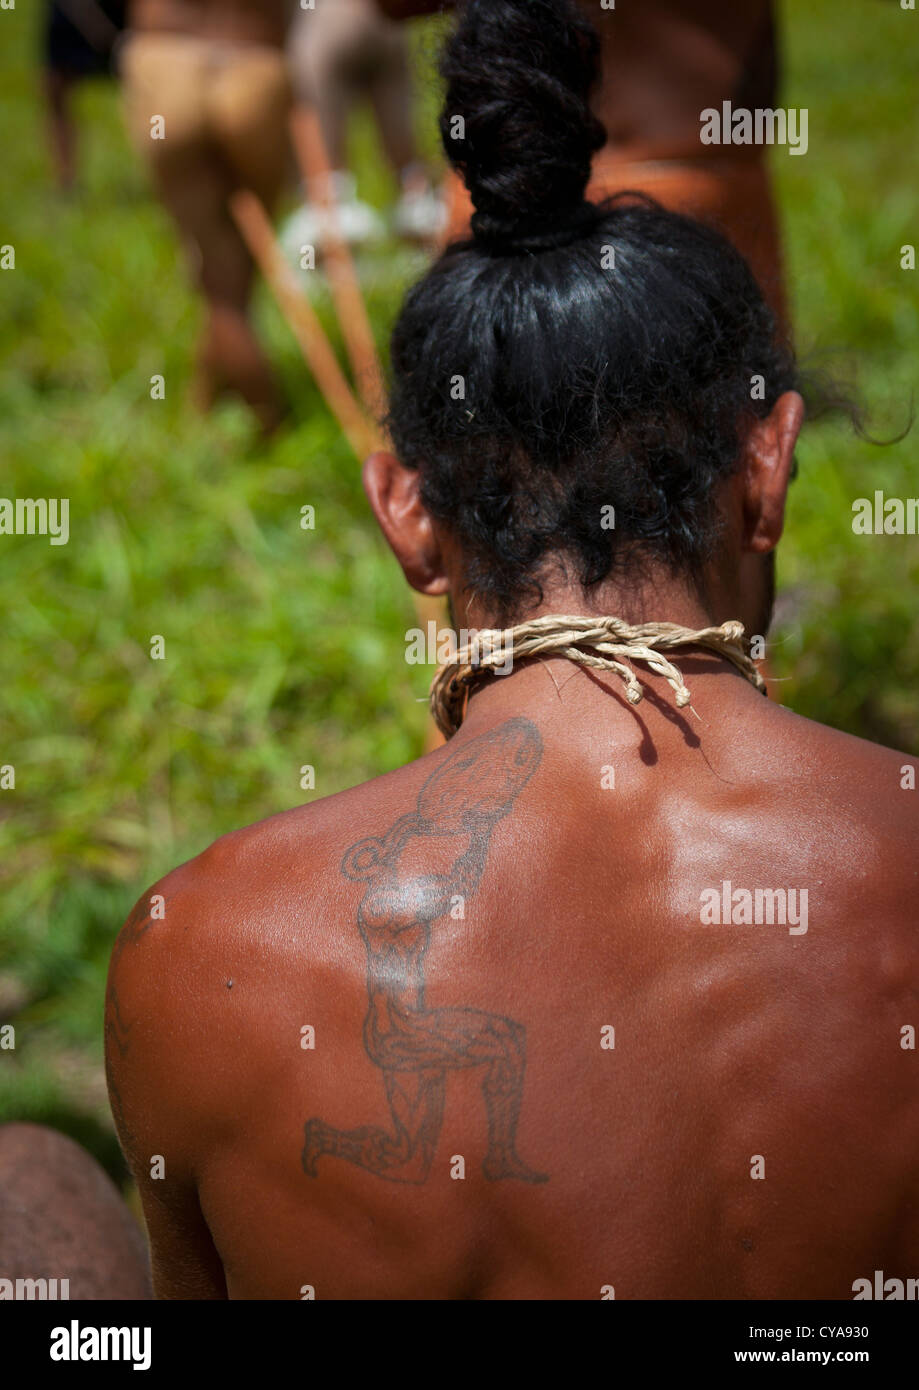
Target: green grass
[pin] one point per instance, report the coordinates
(284, 647)
(850, 648)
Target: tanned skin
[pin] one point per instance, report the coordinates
(196, 183)
(253, 21)
(663, 63)
(459, 933)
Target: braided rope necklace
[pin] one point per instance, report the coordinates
(606, 643)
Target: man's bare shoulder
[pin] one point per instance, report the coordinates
(307, 842)
(812, 778)
(206, 944)
(847, 809)
(264, 872)
(841, 770)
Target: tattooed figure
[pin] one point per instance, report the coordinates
(414, 1046)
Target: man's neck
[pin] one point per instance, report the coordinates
(655, 597)
(580, 700)
(557, 688)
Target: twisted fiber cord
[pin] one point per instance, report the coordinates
(600, 642)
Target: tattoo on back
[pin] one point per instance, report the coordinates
(414, 1046)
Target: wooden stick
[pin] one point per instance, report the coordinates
(349, 301)
(258, 234)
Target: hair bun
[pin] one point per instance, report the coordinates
(519, 73)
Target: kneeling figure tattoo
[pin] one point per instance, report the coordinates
(414, 1046)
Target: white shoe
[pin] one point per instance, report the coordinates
(420, 215)
(312, 224)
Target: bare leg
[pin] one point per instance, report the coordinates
(231, 359)
(318, 51)
(195, 186)
(391, 97)
(226, 130)
(58, 91)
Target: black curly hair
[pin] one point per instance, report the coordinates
(569, 357)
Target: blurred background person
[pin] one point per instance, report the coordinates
(663, 63)
(79, 40)
(214, 71)
(342, 53)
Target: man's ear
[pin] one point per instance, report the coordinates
(393, 492)
(769, 451)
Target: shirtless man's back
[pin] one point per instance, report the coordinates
(462, 935)
(601, 995)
